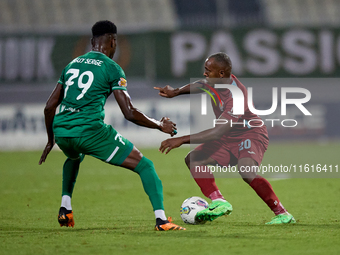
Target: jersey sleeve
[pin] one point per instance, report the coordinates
(62, 78)
(228, 111)
(118, 79)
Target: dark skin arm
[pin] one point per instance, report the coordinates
(130, 113)
(51, 105)
(136, 116)
(207, 135)
(190, 88)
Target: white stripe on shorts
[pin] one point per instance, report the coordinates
(112, 154)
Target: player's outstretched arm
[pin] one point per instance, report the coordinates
(190, 88)
(51, 105)
(207, 135)
(136, 116)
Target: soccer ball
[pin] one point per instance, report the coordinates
(190, 207)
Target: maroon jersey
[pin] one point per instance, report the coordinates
(241, 128)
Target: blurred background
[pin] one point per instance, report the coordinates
(272, 43)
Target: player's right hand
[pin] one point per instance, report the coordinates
(166, 91)
(167, 126)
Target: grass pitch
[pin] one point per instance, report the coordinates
(113, 215)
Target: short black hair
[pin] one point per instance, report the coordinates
(222, 58)
(103, 27)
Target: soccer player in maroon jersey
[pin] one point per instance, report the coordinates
(226, 144)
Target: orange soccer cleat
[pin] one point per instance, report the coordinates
(65, 217)
(165, 225)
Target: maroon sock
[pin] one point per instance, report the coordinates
(206, 181)
(216, 195)
(265, 191)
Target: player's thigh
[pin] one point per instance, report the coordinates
(66, 144)
(133, 159)
(212, 153)
(198, 158)
(249, 153)
(107, 145)
(250, 148)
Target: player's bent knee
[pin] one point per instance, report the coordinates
(143, 164)
(80, 158)
(246, 175)
(248, 179)
(148, 163)
(147, 172)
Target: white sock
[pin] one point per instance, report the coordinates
(160, 214)
(66, 202)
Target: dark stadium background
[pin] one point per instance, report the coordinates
(166, 42)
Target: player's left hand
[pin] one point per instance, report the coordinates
(46, 151)
(169, 144)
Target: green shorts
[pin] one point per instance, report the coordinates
(107, 145)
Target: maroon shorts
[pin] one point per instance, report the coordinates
(228, 150)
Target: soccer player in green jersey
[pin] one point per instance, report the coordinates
(79, 127)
